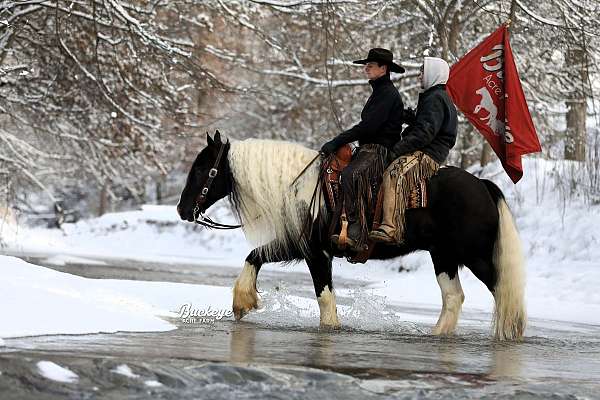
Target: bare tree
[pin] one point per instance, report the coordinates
(110, 95)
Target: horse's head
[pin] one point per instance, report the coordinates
(208, 181)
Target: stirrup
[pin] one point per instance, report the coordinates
(350, 244)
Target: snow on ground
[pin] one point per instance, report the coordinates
(37, 300)
(153, 233)
(559, 231)
(55, 372)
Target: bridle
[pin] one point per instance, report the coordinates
(199, 216)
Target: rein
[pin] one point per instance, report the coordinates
(199, 216)
(305, 169)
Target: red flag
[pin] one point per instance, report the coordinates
(485, 86)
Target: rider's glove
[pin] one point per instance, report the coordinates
(329, 147)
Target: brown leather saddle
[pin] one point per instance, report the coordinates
(331, 180)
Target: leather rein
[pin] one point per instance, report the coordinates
(199, 217)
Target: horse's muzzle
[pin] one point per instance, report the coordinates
(185, 216)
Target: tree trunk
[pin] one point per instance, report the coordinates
(103, 207)
(576, 131)
(159, 190)
(575, 139)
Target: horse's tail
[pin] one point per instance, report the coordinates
(510, 316)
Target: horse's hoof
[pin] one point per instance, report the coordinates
(441, 331)
(244, 302)
(330, 325)
(239, 313)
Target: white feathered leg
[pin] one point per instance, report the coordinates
(245, 297)
(452, 300)
(328, 309)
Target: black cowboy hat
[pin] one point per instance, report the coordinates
(383, 56)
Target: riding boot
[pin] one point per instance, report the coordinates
(386, 231)
(354, 233)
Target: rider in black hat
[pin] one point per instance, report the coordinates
(379, 129)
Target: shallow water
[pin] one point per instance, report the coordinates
(280, 354)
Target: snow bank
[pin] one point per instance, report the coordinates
(37, 300)
(153, 233)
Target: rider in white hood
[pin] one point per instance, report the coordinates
(425, 144)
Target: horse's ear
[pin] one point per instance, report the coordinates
(209, 141)
(218, 137)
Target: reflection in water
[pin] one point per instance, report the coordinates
(242, 343)
(506, 360)
(321, 351)
(317, 347)
(251, 343)
(448, 356)
(502, 360)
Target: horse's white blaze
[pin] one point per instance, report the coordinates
(270, 209)
(510, 317)
(245, 297)
(452, 300)
(328, 309)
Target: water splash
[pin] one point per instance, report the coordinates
(279, 307)
(371, 312)
(366, 312)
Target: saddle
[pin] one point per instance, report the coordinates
(331, 180)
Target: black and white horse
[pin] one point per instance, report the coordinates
(467, 223)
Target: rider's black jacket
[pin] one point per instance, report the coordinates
(381, 118)
(434, 129)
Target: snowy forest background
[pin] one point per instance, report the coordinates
(104, 103)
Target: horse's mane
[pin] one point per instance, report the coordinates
(273, 212)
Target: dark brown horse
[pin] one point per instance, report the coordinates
(467, 223)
